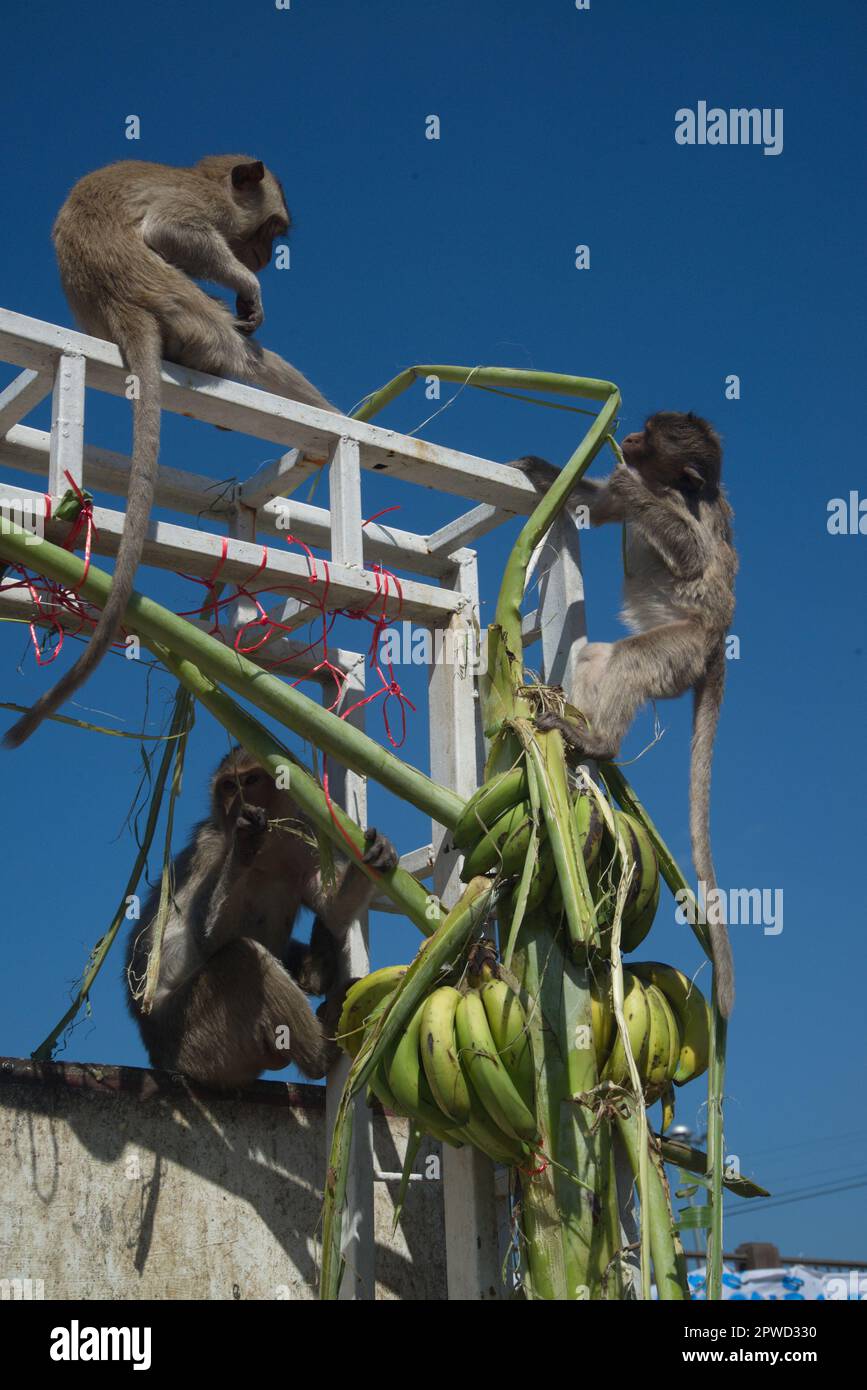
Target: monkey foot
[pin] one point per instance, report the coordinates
(380, 853)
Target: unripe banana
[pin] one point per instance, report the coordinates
(544, 874)
(481, 1131)
(590, 826)
(505, 845)
(692, 1014)
(636, 1012)
(439, 1054)
(667, 1109)
(361, 1000)
(655, 1073)
(488, 1074)
(634, 928)
(407, 1082)
(647, 872)
(674, 1050)
(380, 1088)
(602, 1017)
(508, 1025)
(488, 804)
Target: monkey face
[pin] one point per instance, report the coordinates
(241, 786)
(675, 451)
(633, 447)
(255, 251)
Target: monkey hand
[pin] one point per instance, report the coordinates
(625, 481)
(249, 312)
(250, 829)
(577, 737)
(540, 473)
(380, 853)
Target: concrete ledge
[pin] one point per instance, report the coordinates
(125, 1183)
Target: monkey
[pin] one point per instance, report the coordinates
(128, 240)
(680, 567)
(232, 983)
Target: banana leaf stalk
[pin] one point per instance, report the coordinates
(715, 1149)
(642, 1173)
(181, 718)
(656, 1215)
(565, 1246)
(547, 753)
(484, 378)
(507, 620)
(423, 908)
(224, 665)
(673, 875)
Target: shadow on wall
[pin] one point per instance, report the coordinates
(129, 1183)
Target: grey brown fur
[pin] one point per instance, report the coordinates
(128, 239)
(678, 600)
(230, 975)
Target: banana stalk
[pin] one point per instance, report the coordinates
(416, 902)
(673, 875)
(668, 1263)
(546, 752)
(269, 693)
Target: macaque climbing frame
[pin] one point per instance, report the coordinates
(442, 595)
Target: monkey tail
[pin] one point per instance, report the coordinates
(140, 344)
(707, 702)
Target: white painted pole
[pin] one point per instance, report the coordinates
(66, 453)
(472, 1261)
(358, 1245)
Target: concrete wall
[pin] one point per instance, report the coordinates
(123, 1183)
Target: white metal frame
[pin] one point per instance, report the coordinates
(59, 362)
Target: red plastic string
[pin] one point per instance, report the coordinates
(376, 515)
(536, 1172)
(261, 629)
(41, 588)
(83, 519)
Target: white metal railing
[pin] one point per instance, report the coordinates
(59, 362)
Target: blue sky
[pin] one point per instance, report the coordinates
(557, 129)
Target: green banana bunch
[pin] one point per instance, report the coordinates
(642, 896)
(494, 831)
(691, 1011)
(488, 1071)
(667, 1020)
(462, 1069)
(439, 1054)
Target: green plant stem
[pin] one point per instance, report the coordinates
(272, 695)
(715, 1149)
(546, 754)
(656, 1212)
(422, 907)
(625, 796)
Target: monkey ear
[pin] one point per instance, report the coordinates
(248, 175)
(693, 477)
